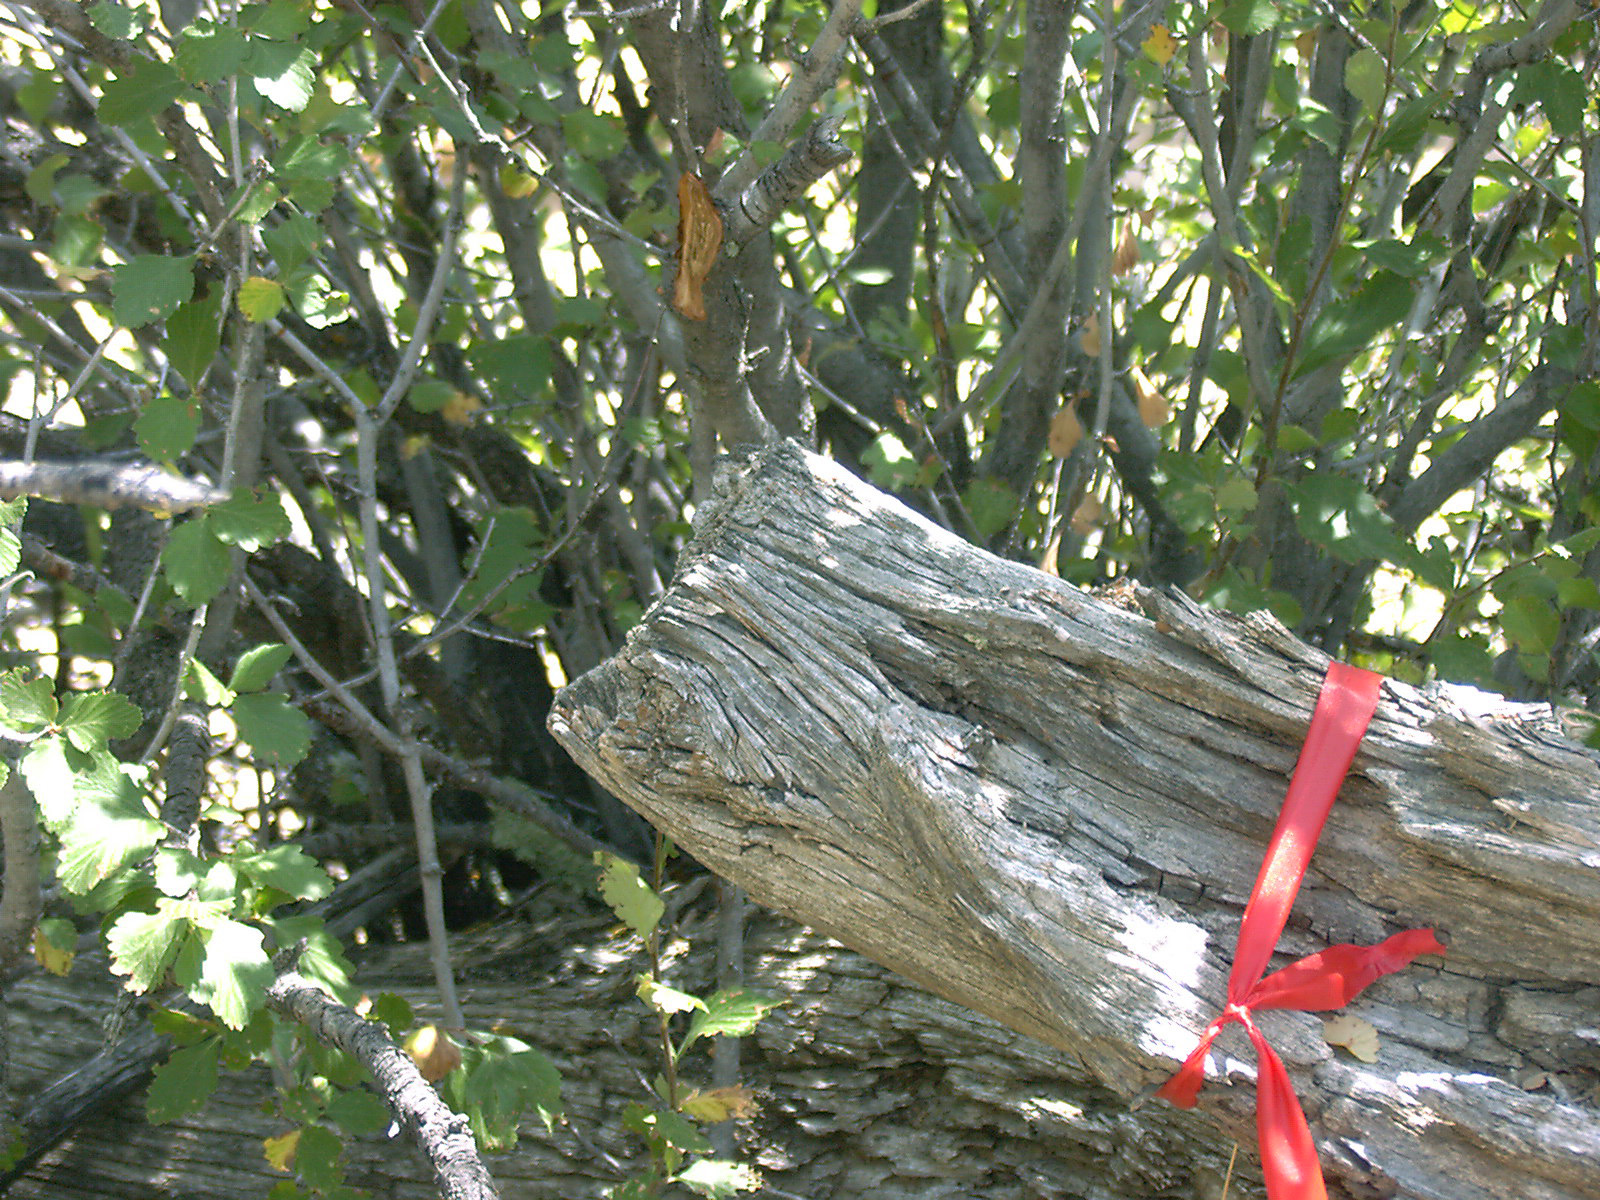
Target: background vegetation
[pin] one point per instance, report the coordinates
(1293, 305)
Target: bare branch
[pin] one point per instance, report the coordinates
(107, 485)
(807, 160)
(815, 72)
(443, 1135)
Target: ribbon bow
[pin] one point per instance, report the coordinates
(1325, 980)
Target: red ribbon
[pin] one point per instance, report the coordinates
(1325, 980)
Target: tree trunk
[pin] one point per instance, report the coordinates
(1050, 806)
(868, 1086)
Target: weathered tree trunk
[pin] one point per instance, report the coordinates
(1050, 807)
(869, 1087)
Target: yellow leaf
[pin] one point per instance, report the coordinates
(459, 408)
(1160, 46)
(434, 1053)
(260, 298)
(699, 242)
(1354, 1034)
(1154, 410)
(1066, 431)
(53, 958)
(280, 1150)
(414, 445)
(719, 1104)
(517, 183)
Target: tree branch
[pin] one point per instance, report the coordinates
(443, 1135)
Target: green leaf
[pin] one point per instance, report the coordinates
(1236, 496)
(49, 778)
(393, 1011)
(505, 1078)
(91, 719)
(732, 1013)
(209, 52)
(359, 1113)
(27, 701)
(719, 1178)
(275, 729)
(201, 686)
(1348, 326)
(430, 395)
(108, 829)
(291, 242)
(260, 298)
(149, 287)
(1559, 90)
(288, 869)
(1339, 514)
(117, 21)
(1411, 259)
(1365, 78)
(889, 464)
(193, 336)
(283, 73)
(196, 563)
(141, 90)
(316, 1158)
(142, 945)
(1531, 623)
(677, 1131)
(11, 514)
(250, 520)
(1249, 17)
(991, 505)
(167, 427)
(257, 666)
(260, 199)
(630, 897)
(666, 1000)
(177, 871)
(40, 182)
(236, 972)
(183, 1083)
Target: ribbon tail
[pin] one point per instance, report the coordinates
(1183, 1089)
(1288, 1155)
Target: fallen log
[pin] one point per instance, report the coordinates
(1049, 807)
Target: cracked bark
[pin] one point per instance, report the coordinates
(1050, 809)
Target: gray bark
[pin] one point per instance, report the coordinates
(868, 1086)
(1050, 808)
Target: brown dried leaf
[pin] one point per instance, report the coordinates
(1089, 338)
(1154, 410)
(699, 242)
(434, 1053)
(1126, 256)
(1066, 431)
(1087, 517)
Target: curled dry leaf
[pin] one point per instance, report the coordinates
(699, 241)
(1089, 336)
(1066, 431)
(1354, 1034)
(1127, 252)
(434, 1053)
(1154, 410)
(1087, 517)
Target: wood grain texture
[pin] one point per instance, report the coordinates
(1050, 807)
